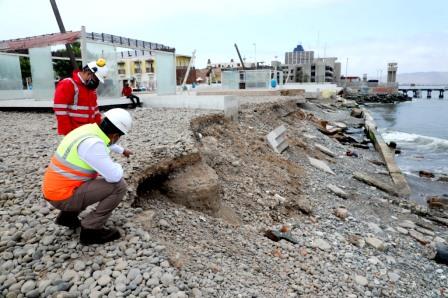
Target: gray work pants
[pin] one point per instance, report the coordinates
(109, 195)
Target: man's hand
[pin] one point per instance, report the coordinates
(127, 152)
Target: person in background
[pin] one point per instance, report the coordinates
(127, 91)
(71, 181)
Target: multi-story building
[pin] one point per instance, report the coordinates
(299, 56)
(301, 66)
(137, 70)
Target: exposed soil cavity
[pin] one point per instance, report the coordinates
(187, 181)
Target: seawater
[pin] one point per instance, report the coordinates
(420, 129)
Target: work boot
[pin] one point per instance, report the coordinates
(100, 236)
(68, 219)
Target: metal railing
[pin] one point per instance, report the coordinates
(128, 42)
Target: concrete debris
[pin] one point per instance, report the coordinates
(375, 182)
(277, 139)
(338, 191)
(325, 150)
(402, 230)
(321, 165)
(376, 243)
(408, 224)
(419, 237)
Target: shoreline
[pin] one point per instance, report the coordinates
(422, 187)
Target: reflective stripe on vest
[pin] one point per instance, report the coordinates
(62, 113)
(75, 97)
(67, 174)
(67, 171)
(72, 107)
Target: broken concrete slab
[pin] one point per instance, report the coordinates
(408, 224)
(321, 165)
(231, 107)
(337, 191)
(277, 139)
(419, 237)
(325, 150)
(388, 156)
(376, 243)
(375, 182)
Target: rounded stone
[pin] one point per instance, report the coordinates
(79, 266)
(167, 279)
(361, 280)
(104, 280)
(28, 286)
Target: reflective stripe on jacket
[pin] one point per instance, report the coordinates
(74, 104)
(66, 170)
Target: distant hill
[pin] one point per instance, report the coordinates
(426, 78)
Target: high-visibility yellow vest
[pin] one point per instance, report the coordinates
(66, 170)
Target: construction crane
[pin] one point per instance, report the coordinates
(239, 56)
(62, 29)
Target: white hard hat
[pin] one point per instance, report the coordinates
(99, 68)
(120, 118)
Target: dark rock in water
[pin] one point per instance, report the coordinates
(437, 202)
(357, 113)
(392, 145)
(379, 98)
(443, 178)
(425, 174)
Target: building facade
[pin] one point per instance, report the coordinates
(137, 70)
(182, 62)
(301, 66)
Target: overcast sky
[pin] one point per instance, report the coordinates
(369, 33)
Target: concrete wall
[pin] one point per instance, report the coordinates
(207, 102)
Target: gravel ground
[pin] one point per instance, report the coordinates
(169, 250)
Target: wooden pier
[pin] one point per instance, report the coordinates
(417, 90)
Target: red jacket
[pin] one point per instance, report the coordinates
(71, 112)
(126, 91)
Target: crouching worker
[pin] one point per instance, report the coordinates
(71, 181)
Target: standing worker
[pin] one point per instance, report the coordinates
(71, 181)
(127, 91)
(75, 99)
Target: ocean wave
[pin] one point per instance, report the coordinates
(422, 142)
